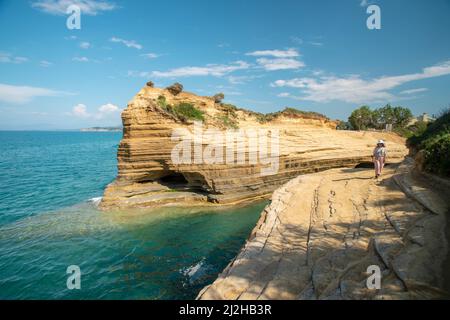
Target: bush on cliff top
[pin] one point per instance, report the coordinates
(218, 97)
(303, 114)
(175, 89)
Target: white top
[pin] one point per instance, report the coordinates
(379, 152)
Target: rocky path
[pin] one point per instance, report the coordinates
(321, 232)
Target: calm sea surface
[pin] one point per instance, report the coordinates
(49, 184)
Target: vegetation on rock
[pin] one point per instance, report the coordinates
(182, 111)
(228, 122)
(290, 113)
(218, 97)
(186, 111)
(434, 143)
(175, 89)
(162, 103)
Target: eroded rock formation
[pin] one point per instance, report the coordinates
(322, 231)
(148, 176)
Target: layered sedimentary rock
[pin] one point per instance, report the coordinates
(304, 143)
(322, 232)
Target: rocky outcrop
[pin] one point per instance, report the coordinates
(147, 175)
(322, 231)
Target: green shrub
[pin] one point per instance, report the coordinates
(186, 111)
(437, 154)
(404, 132)
(162, 103)
(228, 122)
(412, 132)
(435, 143)
(438, 127)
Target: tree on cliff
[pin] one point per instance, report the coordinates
(361, 118)
(397, 116)
(402, 116)
(364, 118)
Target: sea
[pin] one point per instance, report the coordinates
(56, 244)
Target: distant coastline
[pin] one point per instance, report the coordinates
(102, 129)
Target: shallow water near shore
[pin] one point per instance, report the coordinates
(47, 223)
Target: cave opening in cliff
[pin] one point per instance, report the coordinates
(174, 179)
(191, 182)
(364, 165)
(367, 165)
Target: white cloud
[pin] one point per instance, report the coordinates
(23, 94)
(216, 70)
(45, 63)
(411, 91)
(279, 64)
(85, 45)
(80, 59)
(80, 111)
(354, 89)
(20, 59)
(277, 59)
(242, 79)
(128, 43)
(8, 58)
(106, 110)
(150, 55)
(289, 53)
(59, 7)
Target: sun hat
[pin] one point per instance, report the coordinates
(380, 141)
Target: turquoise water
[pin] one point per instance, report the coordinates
(47, 223)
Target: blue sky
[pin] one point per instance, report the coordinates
(264, 55)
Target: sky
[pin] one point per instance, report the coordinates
(315, 55)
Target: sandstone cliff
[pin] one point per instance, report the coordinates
(322, 231)
(148, 176)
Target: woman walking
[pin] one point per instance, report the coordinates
(379, 157)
